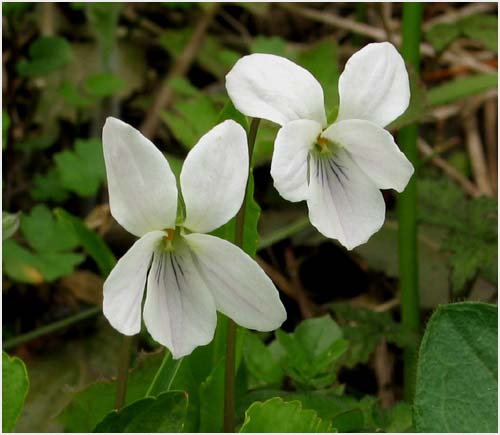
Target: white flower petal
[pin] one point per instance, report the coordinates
(214, 177)
(142, 187)
(240, 288)
(344, 204)
(290, 158)
(124, 287)
(274, 88)
(179, 311)
(374, 150)
(374, 85)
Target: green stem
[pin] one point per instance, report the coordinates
(229, 402)
(52, 327)
(408, 254)
(165, 375)
(123, 366)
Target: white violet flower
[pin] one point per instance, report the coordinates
(338, 169)
(188, 275)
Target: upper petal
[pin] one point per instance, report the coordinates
(344, 204)
(374, 85)
(274, 88)
(142, 187)
(290, 158)
(374, 150)
(240, 288)
(124, 287)
(214, 177)
(179, 311)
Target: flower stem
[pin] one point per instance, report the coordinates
(52, 327)
(165, 375)
(407, 209)
(123, 365)
(229, 402)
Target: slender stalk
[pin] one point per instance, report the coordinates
(52, 327)
(165, 375)
(231, 328)
(123, 365)
(408, 254)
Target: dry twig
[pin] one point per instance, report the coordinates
(380, 35)
(449, 170)
(456, 14)
(181, 67)
(292, 266)
(476, 153)
(491, 138)
(287, 286)
(383, 365)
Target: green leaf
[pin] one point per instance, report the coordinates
(230, 112)
(166, 413)
(16, 9)
(275, 415)
(470, 230)
(261, 364)
(72, 95)
(321, 60)
(215, 58)
(103, 85)
(82, 171)
(10, 224)
(54, 265)
(165, 375)
(264, 144)
(212, 400)
(271, 45)
(5, 128)
(20, 264)
(311, 351)
(103, 19)
(364, 329)
(482, 28)
(47, 187)
(250, 233)
(44, 233)
(93, 244)
(317, 335)
(37, 142)
(91, 404)
(458, 89)
(399, 418)
(442, 34)
(457, 383)
(190, 119)
(15, 385)
(418, 106)
(46, 55)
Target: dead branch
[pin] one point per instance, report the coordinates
(449, 170)
(180, 68)
(476, 153)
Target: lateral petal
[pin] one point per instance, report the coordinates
(374, 85)
(374, 150)
(289, 165)
(274, 88)
(214, 177)
(240, 288)
(124, 287)
(142, 187)
(344, 204)
(179, 311)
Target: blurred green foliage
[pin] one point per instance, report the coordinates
(109, 58)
